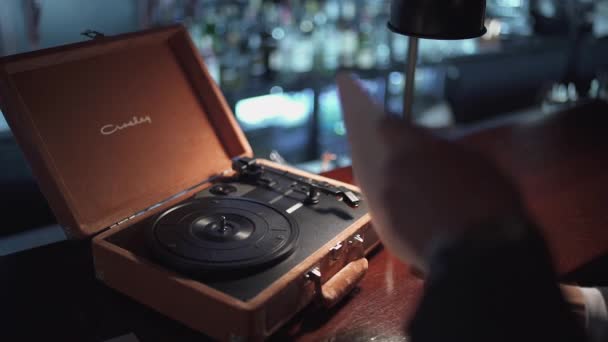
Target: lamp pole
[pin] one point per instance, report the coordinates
(410, 80)
(432, 19)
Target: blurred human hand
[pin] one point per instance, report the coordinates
(435, 189)
(419, 187)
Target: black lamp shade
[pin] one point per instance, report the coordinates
(438, 19)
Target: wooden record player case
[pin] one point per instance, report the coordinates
(120, 128)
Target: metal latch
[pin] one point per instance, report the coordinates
(335, 251)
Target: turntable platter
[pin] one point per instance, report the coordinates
(222, 234)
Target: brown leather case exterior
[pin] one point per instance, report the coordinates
(72, 110)
(58, 100)
(212, 312)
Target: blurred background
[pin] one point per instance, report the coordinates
(275, 61)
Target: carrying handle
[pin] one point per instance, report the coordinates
(341, 284)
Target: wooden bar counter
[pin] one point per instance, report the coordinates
(559, 161)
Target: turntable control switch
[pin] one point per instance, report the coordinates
(313, 196)
(223, 189)
(249, 170)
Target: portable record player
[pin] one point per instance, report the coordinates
(133, 144)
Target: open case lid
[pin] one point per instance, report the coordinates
(115, 125)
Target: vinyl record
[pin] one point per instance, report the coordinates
(222, 234)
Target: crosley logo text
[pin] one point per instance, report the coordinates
(135, 121)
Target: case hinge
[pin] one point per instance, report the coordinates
(181, 193)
